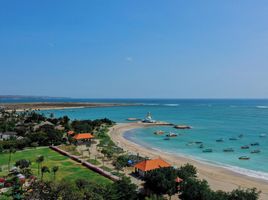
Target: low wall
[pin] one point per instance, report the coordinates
(86, 164)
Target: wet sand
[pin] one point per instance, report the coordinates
(218, 178)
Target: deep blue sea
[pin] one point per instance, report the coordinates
(210, 119)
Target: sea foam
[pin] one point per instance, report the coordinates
(262, 107)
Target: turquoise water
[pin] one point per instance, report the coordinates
(210, 119)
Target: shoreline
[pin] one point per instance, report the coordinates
(219, 178)
(36, 106)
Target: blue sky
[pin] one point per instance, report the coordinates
(134, 48)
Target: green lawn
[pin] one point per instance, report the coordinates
(67, 168)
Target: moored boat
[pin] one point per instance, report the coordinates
(198, 142)
(228, 150)
(244, 158)
(172, 135)
(256, 151)
(182, 127)
(245, 147)
(201, 146)
(233, 138)
(167, 138)
(263, 135)
(255, 144)
(159, 132)
(241, 135)
(190, 143)
(220, 140)
(207, 150)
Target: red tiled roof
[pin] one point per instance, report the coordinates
(70, 132)
(178, 180)
(83, 136)
(148, 165)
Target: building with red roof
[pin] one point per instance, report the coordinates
(148, 165)
(83, 136)
(70, 132)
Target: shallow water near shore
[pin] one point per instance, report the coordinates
(210, 119)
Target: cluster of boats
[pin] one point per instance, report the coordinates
(209, 150)
(170, 134)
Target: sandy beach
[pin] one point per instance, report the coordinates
(219, 178)
(56, 105)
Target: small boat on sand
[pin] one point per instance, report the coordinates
(220, 140)
(172, 135)
(228, 150)
(255, 144)
(207, 150)
(256, 151)
(233, 138)
(245, 147)
(159, 132)
(263, 135)
(244, 158)
(132, 119)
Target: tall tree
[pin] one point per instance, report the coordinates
(162, 181)
(44, 170)
(54, 170)
(39, 160)
(11, 151)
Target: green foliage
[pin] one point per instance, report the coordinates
(83, 126)
(54, 170)
(23, 163)
(44, 170)
(124, 189)
(161, 181)
(121, 162)
(83, 189)
(94, 162)
(187, 171)
(244, 194)
(193, 189)
(39, 161)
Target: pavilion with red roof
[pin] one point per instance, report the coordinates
(148, 165)
(83, 136)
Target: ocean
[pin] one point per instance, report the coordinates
(210, 120)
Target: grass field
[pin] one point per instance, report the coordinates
(68, 169)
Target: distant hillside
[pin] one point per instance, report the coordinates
(27, 97)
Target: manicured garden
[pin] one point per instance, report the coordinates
(68, 169)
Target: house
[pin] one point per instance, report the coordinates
(59, 128)
(7, 135)
(70, 132)
(83, 137)
(147, 165)
(38, 126)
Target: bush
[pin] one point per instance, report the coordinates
(161, 181)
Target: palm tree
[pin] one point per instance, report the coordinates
(44, 169)
(54, 170)
(39, 161)
(11, 150)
